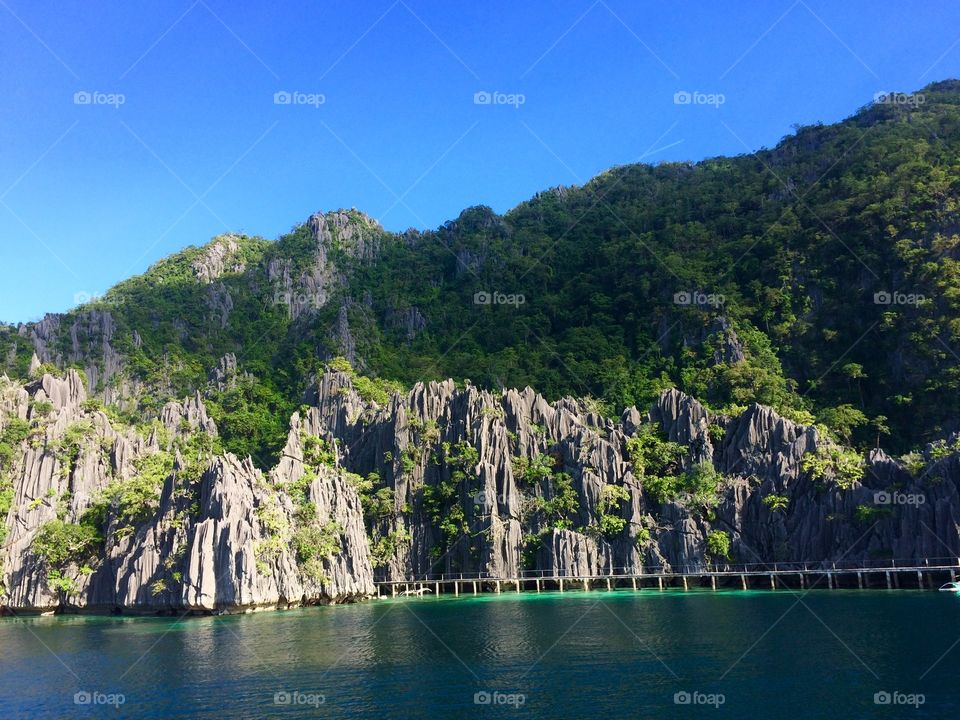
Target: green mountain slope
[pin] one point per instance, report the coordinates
(819, 276)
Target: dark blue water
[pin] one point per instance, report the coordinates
(580, 655)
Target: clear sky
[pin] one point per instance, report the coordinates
(182, 138)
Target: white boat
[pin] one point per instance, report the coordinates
(951, 587)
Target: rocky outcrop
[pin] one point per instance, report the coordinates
(88, 340)
(408, 323)
(305, 291)
(358, 235)
(442, 479)
(343, 337)
(176, 529)
(188, 416)
(220, 303)
(571, 554)
(496, 516)
(224, 376)
(218, 258)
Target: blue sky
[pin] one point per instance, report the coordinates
(182, 138)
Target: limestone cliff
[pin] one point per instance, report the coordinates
(495, 515)
(178, 527)
(443, 479)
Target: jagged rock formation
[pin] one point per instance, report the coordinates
(90, 335)
(219, 257)
(490, 515)
(444, 479)
(210, 534)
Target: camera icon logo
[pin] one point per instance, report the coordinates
(82, 97)
(682, 298)
(83, 697)
(482, 97)
(282, 97)
(882, 498)
(282, 698)
(682, 97)
(482, 698)
(882, 298)
(882, 698)
(482, 298)
(682, 698)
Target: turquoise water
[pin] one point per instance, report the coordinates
(580, 655)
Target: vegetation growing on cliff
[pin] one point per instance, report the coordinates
(844, 467)
(656, 462)
(718, 545)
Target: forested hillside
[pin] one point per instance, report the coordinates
(819, 277)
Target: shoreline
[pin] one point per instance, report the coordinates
(487, 596)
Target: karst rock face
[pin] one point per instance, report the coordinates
(218, 535)
(435, 481)
(758, 454)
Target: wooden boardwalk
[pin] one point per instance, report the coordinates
(927, 575)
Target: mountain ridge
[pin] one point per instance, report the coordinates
(717, 277)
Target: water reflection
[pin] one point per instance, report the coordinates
(615, 655)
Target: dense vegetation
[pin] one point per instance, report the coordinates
(771, 277)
